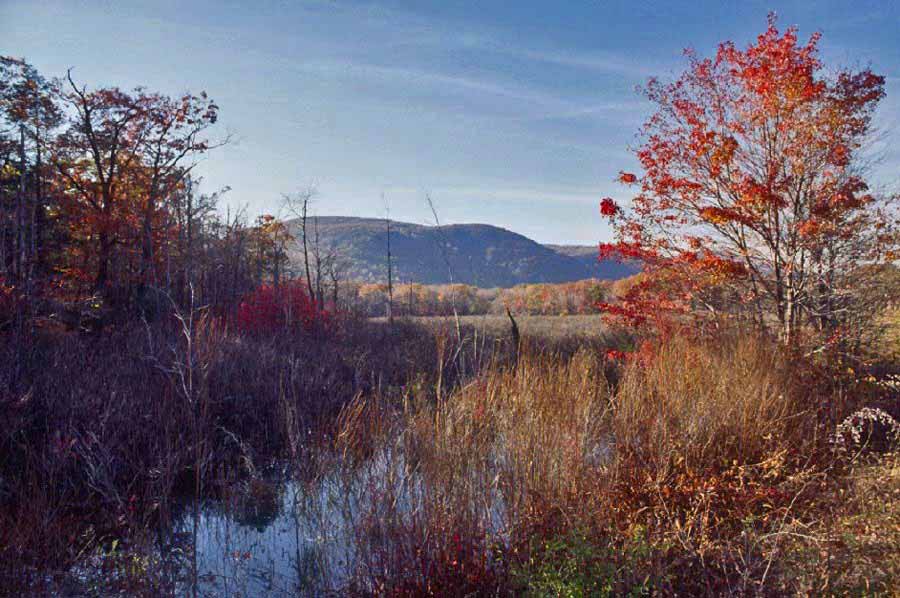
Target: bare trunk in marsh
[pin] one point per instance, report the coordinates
(104, 249)
(317, 253)
(37, 212)
(390, 274)
(19, 256)
(303, 230)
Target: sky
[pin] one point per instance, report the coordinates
(517, 114)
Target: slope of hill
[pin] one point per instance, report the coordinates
(587, 255)
(476, 254)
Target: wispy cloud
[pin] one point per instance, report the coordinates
(533, 102)
(415, 77)
(588, 195)
(605, 62)
(402, 28)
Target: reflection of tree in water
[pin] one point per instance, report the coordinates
(258, 504)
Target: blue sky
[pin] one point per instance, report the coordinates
(515, 114)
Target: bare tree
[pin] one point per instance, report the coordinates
(328, 265)
(173, 134)
(390, 277)
(317, 255)
(28, 109)
(190, 211)
(298, 205)
(234, 244)
(336, 266)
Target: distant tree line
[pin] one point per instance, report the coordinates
(413, 299)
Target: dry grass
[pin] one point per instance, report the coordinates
(543, 327)
(688, 473)
(708, 406)
(854, 548)
(532, 429)
(465, 468)
(890, 341)
(694, 468)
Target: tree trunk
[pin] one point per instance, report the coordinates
(390, 276)
(309, 286)
(103, 254)
(19, 258)
(37, 215)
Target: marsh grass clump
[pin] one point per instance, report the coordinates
(727, 401)
(683, 470)
(534, 425)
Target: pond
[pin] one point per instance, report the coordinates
(273, 535)
(281, 537)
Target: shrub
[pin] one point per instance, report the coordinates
(284, 307)
(576, 563)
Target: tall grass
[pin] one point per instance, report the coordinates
(460, 465)
(678, 474)
(707, 406)
(533, 428)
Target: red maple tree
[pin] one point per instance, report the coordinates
(752, 200)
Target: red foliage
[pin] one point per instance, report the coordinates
(748, 182)
(616, 355)
(270, 309)
(608, 207)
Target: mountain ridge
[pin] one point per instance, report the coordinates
(477, 254)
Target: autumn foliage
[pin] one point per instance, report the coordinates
(121, 159)
(155, 351)
(752, 201)
(100, 206)
(270, 309)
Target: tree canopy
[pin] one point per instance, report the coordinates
(752, 200)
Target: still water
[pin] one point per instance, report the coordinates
(277, 536)
(286, 538)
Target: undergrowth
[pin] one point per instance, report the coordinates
(716, 466)
(692, 470)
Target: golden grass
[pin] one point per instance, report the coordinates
(544, 327)
(535, 428)
(690, 469)
(710, 406)
(890, 339)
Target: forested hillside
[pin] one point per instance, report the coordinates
(475, 254)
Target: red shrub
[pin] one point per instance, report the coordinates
(285, 307)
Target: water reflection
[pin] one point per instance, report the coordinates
(287, 538)
(277, 536)
(261, 548)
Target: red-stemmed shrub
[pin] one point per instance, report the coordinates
(288, 306)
